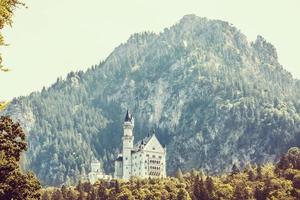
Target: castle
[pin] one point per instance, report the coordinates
(97, 173)
(145, 159)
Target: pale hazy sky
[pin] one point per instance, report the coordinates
(53, 37)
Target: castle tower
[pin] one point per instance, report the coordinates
(127, 145)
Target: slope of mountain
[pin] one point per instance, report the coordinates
(212, 97)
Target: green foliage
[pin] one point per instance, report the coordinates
(7, 8)
(14, 184)
(179, 174)
(267, 186)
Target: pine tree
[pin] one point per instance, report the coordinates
(57, 195)
(235, 170)
(179, 174)
(209, 183)
(102, 192)
(46, 196)
(194, 173)
(71, 195)
(196, 188)
(117, 187)
(64, 191)
(259, 175)
(203, 191)
(251, 174)
(183, 195)
(92, 195)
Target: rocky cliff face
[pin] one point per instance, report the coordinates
(213, 98)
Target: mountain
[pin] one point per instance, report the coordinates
(214, 98)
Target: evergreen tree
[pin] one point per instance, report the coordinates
(183, 195)
(203, 191)
(251, 174)
(64, 191)
(46, 196)
(117, 187)
(92, 195)
(194, 173)
(102, 191)
(196, 188)
(179, 174)
(235, 170)
(71, 195)
(57, 195)
(209, 183)
(259, 175)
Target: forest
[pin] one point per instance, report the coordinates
(266, 182)
(261, 182)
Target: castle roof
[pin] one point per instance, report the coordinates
(119, 158)
(94, 160)
(142, 143)
(128, 117)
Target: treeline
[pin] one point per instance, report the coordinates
(280, 181)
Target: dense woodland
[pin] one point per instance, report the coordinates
(267, 182)
(213, 98)
(280, 181)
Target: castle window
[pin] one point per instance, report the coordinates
(147, 155)
(153, 156)
(159, 157)
(153, 148)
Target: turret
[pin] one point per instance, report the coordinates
(128, 125)
(127, 144)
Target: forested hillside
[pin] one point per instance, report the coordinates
(213, 97)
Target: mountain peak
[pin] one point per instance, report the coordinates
(189, 17)
(266, 51)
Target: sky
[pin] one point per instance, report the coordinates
(53, 37)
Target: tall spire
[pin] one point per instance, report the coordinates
(153, 131)
(128, 117)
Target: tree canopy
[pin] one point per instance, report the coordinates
(14, 183)
(7, 8)
(253, 182)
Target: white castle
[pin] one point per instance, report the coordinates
(97, 173)
(145, 159)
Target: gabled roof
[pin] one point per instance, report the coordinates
(138, 146)
(94, 160)
(143, 143)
